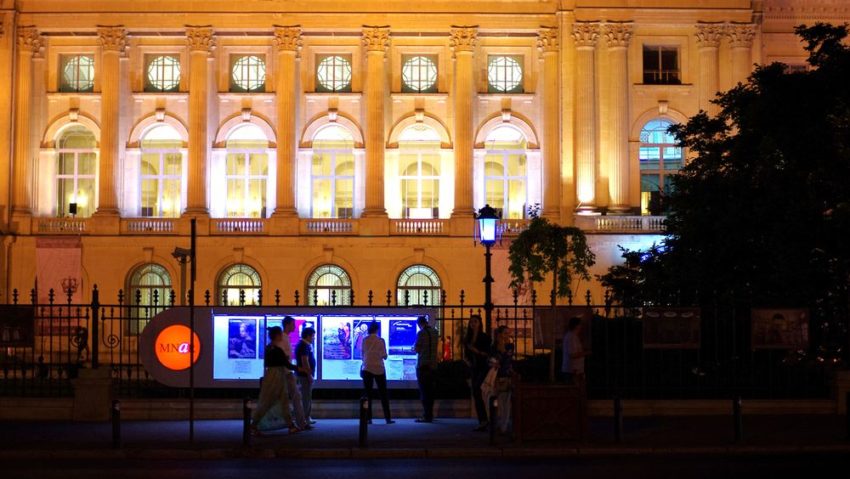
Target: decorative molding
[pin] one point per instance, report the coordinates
(200, 39)
(463, 38)
(29, 40)
(288, 38)
(376, 38)
(548, 40)
(617, 35)
(586, 34)
(112, 38)
(2, 24)
(741, 34)
(709, 34)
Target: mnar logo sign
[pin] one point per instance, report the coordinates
(172, 347)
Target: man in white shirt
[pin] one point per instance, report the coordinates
(374, 354)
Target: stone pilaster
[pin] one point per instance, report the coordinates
(201, 43)
(708, 41)
(617, 37)
(376, 40)
(113, 42)
(287, 41)
(741, 41)
(586, 35)
(30, 44)
(463, 41)
(548, 42)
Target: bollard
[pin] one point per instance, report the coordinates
(364, 421)
(494, 410)
(246, 422)
(116, 423)
(618, 419)
(739, 423)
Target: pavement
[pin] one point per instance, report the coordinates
(445, 438)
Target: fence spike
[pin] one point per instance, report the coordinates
(389, 297)
(587, 297)
(277, 297)
(15, 296)
(260, 297)
(371, 297)
(297, 298)
(241, 297)
(207, 297)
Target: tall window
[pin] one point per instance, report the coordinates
(418, 285)
(161, 173)
(419, 74)
(235, 281)
(76, 172)
(247, 74)
(504, 74)
(660, 159)
(419, 171)
(506, 172)
(247, 172)
(163, 73)
(332, 174)
(333, 73)
(149, 292)
(77, 73)
(328, 284)
(661, 65)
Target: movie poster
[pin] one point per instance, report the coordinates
(361, 330)
(336, 338)
(301, 322)
(242, 339)
(780, 329)
(402, 337)
(548, 331)
(671, 328)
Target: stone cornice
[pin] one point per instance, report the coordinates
(463, 38)
(200, 39)
(617, 35)
(29, 40)
(288, 38)
(112, 38)
(586, 34)
(741, 34)
(548, 40)
(709, 34)
(376, 38)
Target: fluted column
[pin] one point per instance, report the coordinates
(113, 41)
(201, 43)
(708, 41)
(741, 40)
(617, 37)
(287, 40)
(463, 41)
(586, 36)
(29, 45)
(376, 40)
(548, 43)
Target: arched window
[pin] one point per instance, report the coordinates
(660, 159)
(506, 172)
(247, 172)
(161, 173)
(76, 172)
(419, 171)
(163, 73)
(333, 73)
(235, 281)
(148, 293)
(247, 74)
(332, 173)
(328, 284)
(418, 285)
(504, 74)
(419, 74)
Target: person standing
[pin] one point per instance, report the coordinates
(294, 394)
(477, 348)
(305, 361)
(274, 385)
(503, 351)
(373, 370)
(572, 364)
(426, 364)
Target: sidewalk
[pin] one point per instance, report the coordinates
(338, 438)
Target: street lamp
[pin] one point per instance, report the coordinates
(488, 232)
(182, 256)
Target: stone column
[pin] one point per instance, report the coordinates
(617, 36)
(376, 40)
(741, 40)
(548, 43)
(29, 45)
(463, 41)
(708, 42)
(586, 35)
(201, 43)
(287, 40)
(113, 41)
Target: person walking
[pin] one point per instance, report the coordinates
(373, 370)
(503, 350)
(294, 393)
(426, 364)
(305, 361)
(572, 364)
(477, 348)
(274, 386)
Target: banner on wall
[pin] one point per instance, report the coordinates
(671, 328)
(503, 294)
(59, 267)
(780, 329)
(549, 330)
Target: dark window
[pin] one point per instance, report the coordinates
(661, 65)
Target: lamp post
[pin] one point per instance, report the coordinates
(488, 232)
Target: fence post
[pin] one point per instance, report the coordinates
(618, 419)
(116, 423)
(494, 411)
(95, 327)
(847, 412)
(364, 421)
(739, 424)
(246, 421)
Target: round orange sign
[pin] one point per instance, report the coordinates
(172, 347)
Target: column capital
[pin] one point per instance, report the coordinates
(29, 40)
(741, 34)
(586, 34)
(548, 40)
(463, 38)
(376, 38)
(709, 34)
(112, 38)
(617, 35)
(288, 38)
(200, 38)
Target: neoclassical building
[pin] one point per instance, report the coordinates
(328, 146)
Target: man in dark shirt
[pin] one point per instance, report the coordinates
(306, 362)
(426, 364)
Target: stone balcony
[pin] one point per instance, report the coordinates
(621, 224)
